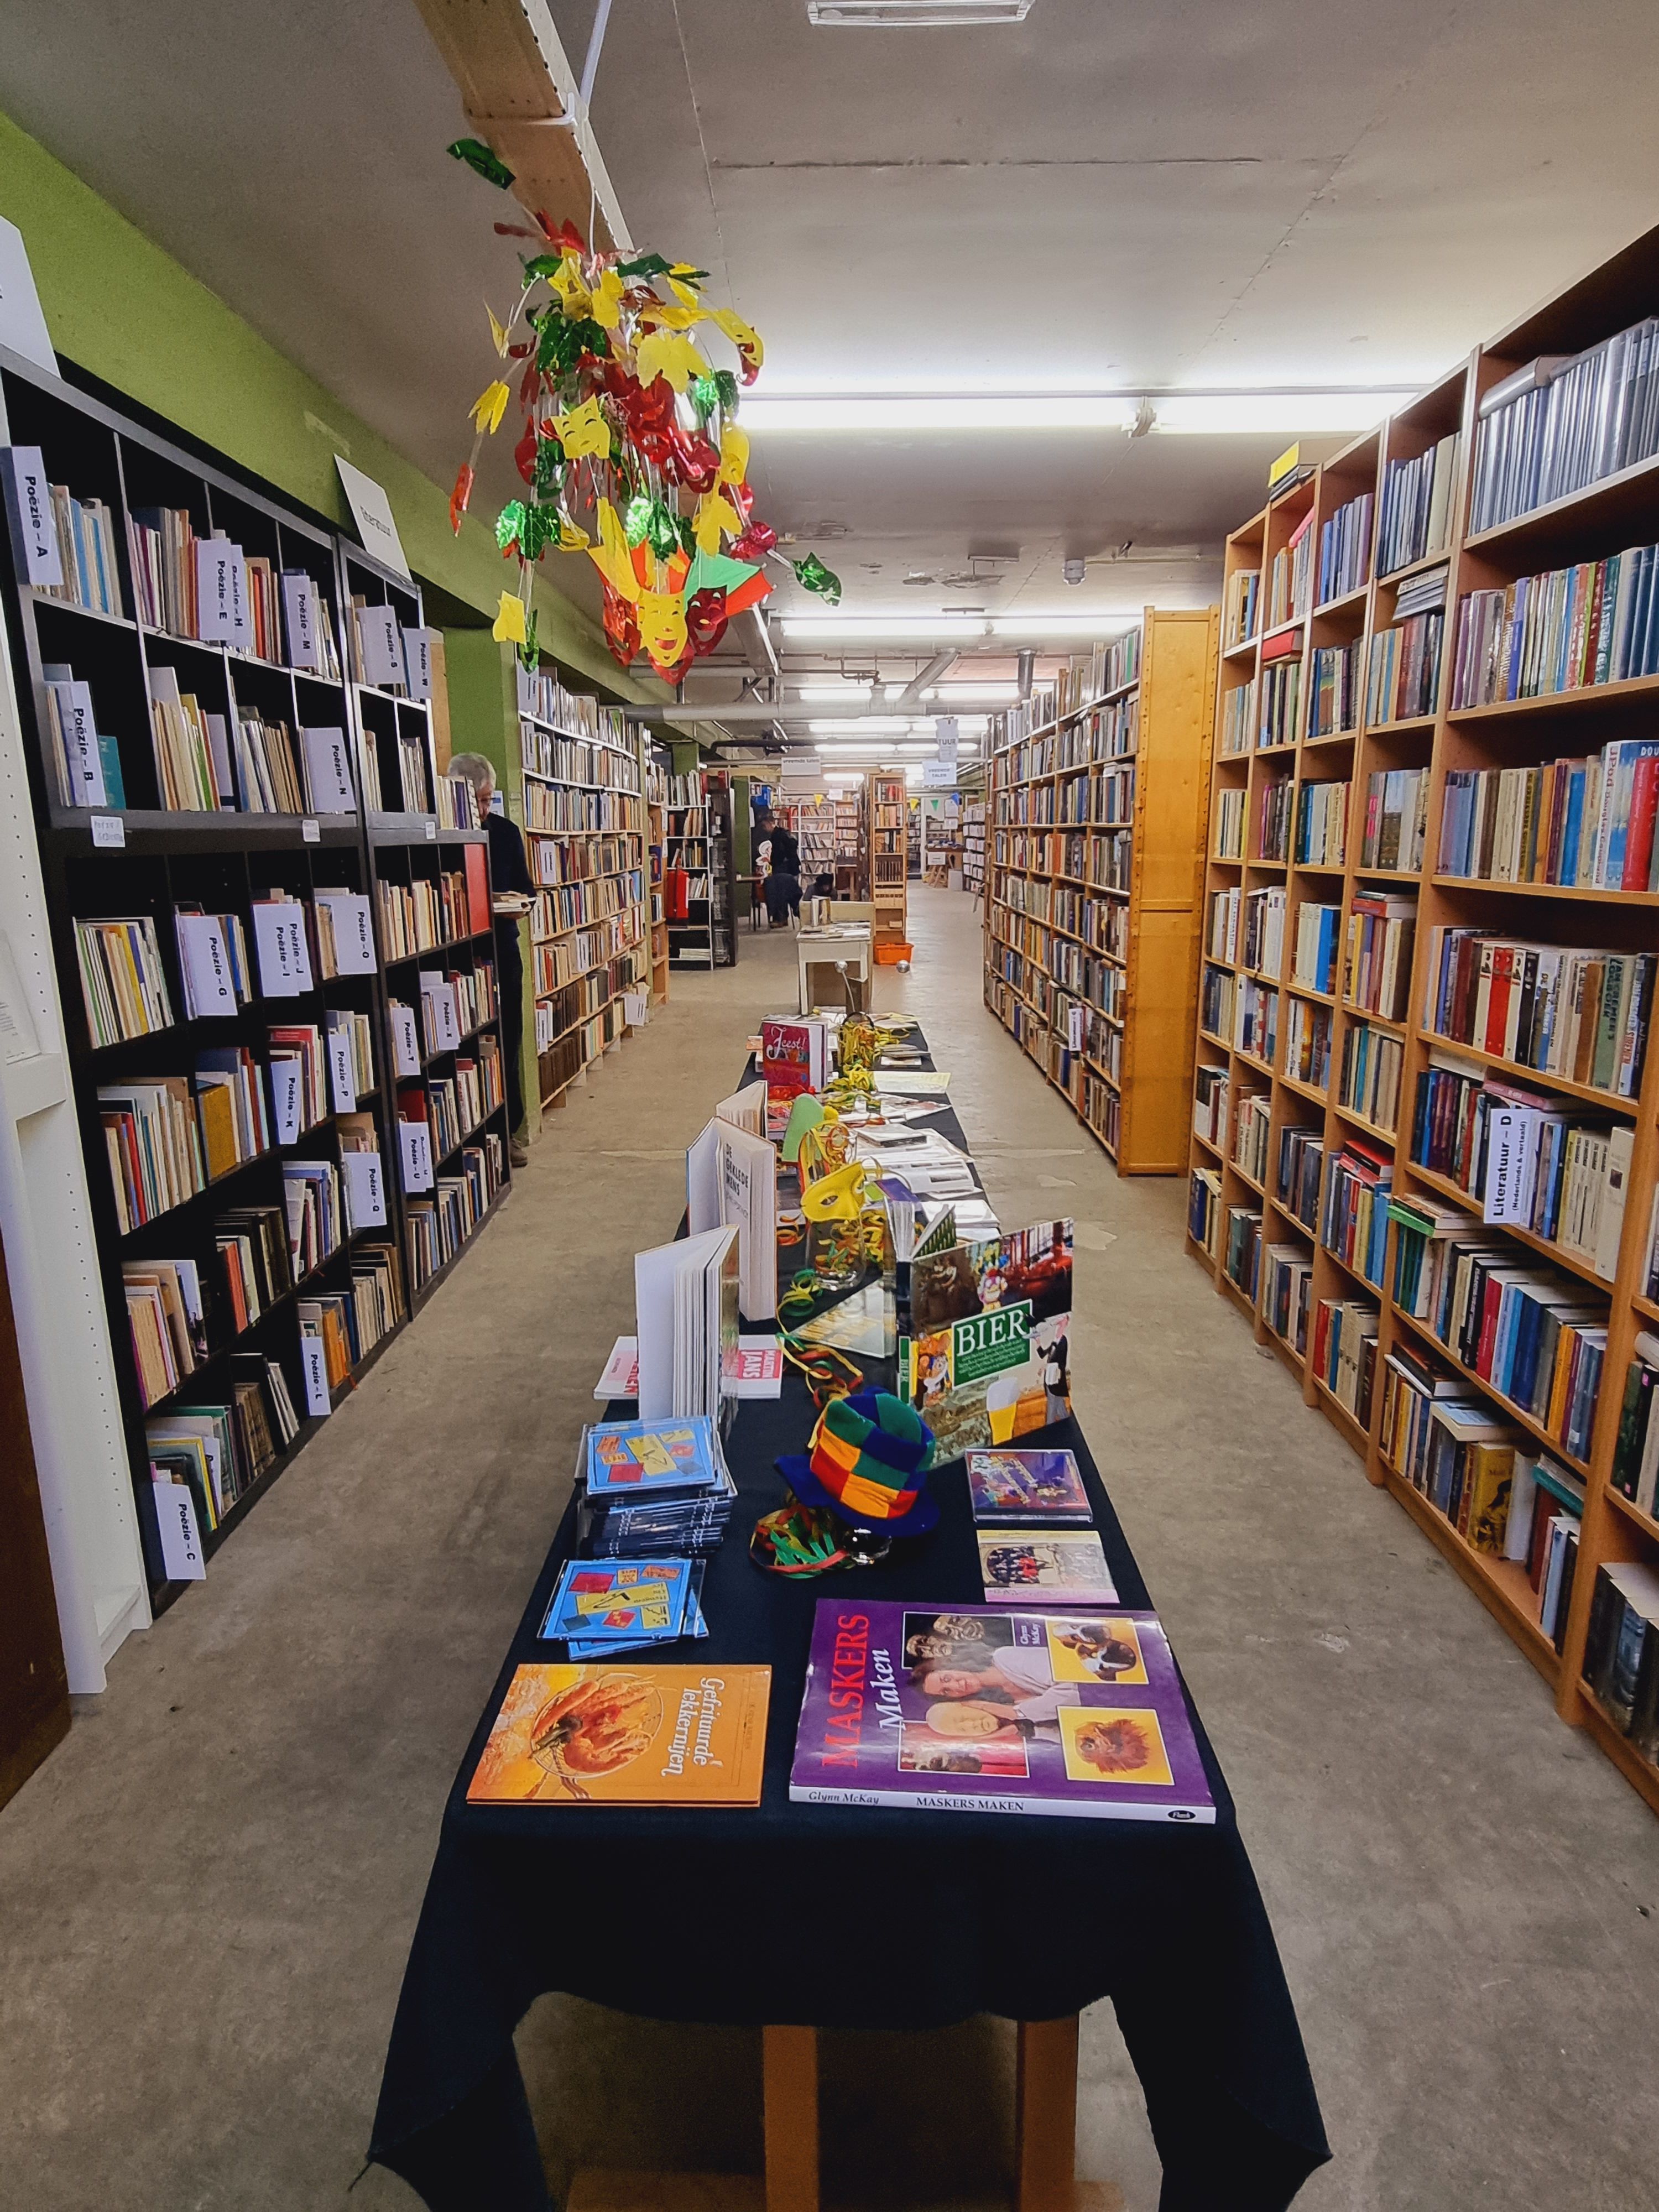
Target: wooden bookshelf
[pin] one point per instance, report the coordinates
(1606, 517)
(135, 856)
(886, 855)
(1093, 837)
(972, 845)
(699, 845)
(656, 782)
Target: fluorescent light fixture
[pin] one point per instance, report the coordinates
(884, 723)
(913, 14)
(829, 691)
(847, 623)
(1241, 411)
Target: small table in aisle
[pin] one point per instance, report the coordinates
(843, 946)
(1167, 1922)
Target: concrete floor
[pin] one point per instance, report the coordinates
(206, 1896)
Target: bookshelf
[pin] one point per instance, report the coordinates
(1344, 1067)
(814, 823)
(290, 1245)
(1095, 808)
(973, 846)
(586, 827)
(886, 846)
(700, 878)
(656, 779)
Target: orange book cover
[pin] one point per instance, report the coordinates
(477, 887)
(626, 1734)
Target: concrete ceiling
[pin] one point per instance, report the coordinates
(1275, 193)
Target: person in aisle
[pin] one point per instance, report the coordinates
(782, 884)
(512, 895)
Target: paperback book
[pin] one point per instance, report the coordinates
(988, 1360)
(633, 1600)
(1019, 1566)
(1026, 1486)
(980, 1709)
(627, 1735)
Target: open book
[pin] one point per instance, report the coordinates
(685, 1306)
(732, 1179)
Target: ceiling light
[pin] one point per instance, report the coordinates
(1234, 411)
(883, 722)
(834, 691)
(1103, 623)
(912, 14)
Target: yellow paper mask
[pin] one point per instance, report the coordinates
(662, 626)
(835, 1197)
(584, 431)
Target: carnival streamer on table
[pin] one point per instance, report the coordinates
(630, 449)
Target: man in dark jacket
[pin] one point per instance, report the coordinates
(782, 884)
(512, 893)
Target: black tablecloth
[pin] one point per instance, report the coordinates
(933, 1916)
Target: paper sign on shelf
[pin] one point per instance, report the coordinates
(353, 921)
(414, 1142)
(313, 1364)
(405, 1044)
(382, 646)
(216, 595)
(365, 1189)
(300, 608)
(206, 959)
(328, 771)
(22, 325)
(311, 832)
(28, 510)
(109, 831)
(279, 938)
(181, 1541)
(418, 663)
(342, 1074)
(371, 510)
(285, 1099)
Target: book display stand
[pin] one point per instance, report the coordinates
(1096, 805)
(206, 754)
(1431, 675)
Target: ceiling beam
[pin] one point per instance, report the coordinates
(521, 96)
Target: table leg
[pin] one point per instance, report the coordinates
(790, 2068)
(1045, 2115)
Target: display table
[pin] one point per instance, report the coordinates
(791, 1916)
(846, 945)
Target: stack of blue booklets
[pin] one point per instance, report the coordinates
(600, 1607)
(655, 1487)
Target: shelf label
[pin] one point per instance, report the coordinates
(343, 1073)
(415, 1142)
(285, 1101)
(405, 1047)
(431, 827)
(365, 1189)
(28, 510)
(315, 1369)
(181, 1542)
(109, 831)
(310, 833)
(371, 510)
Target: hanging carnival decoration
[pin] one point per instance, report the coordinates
(630, 449)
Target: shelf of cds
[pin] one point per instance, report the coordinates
(1094, 834)
(1426, 1120)
(184, 655)
(596, 861)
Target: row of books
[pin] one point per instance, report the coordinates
(429, 911)
(219, 1451)
(1404, 663)
(1562, 423)
(580, 859)
(1417, 506)
(565, 906)
(209, 589)
(1241, 607)
(1354, 1221)
(1572, 1011)
(1241, 1256)
(1287, 1294)
(350, 1324)
(1621, 1652)
(1344, 549)
(1396, 819)
(1376, 976)
(1635, 1471)
(1275, 811)
(1290, 581)
(1588, 822)
(1595, 622)
(1228, 834)
(1278, 691)
(1373, 1063)
(1318, 931)
(1300, 1171)
(1212, 1089)
(90, 569)
(1334, 688)
(1251, 1135)
(1529, 1163)
(1204, 1207)
(1534, 1337)
(437, 1227)
(1343, 1352)
(577, 761)
(1322, 824)
(561, 960)
(1307, 1043)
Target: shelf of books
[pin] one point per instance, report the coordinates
(177, 641)
(1426, 1122)
(814, 823)
(973, 846)
(656, 788)
(587, 831)
(1096, 792)
(699, 883)
(886, 845)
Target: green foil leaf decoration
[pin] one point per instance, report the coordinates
(510, 524)
(530, 651)
(636, 518)
(541, 529)
(727, 380)
(548, 476)
(811, 574)
(662, 530)
(488, 164)
(705, 395)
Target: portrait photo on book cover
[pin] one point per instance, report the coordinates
(990, 1358)
(987, 1686)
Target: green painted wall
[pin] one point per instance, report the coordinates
(121, 307)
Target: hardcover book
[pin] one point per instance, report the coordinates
(627, 1735)
(1026, 1486)
(983, 1709)
(987, 1360)
(1021, 1566)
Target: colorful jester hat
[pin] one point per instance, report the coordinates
(630, 449)
(868, 1463)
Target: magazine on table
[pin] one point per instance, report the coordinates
(981, 1708)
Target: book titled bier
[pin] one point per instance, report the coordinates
(980, 1708)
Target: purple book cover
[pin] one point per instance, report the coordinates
(982, 1709)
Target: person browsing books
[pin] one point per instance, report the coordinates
(512, 893)
(782, 884)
